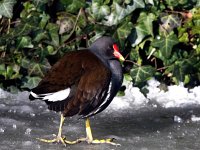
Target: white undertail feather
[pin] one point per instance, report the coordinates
(53, 97)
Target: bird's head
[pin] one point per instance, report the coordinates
(106, 47)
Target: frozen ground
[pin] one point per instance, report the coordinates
(162, 121)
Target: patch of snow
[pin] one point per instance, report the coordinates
(4, 94)
(196, 92)
(194, 118)
(21, 109)
(21, 96)
(9, 122)
(2, 130)
(176, 96)
(2, 105)
(28, 131)
(27, 143)
(14, 126)
(133, 97)
(178, 119)
(32, 114)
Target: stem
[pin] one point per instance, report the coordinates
(132, 62)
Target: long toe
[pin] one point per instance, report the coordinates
(105, 141)
(76, 141)
(57, 139)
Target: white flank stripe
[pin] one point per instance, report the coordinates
(53, 97)
(107, 97)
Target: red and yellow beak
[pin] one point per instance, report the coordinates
(117, 53)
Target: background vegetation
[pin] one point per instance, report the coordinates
(160, 38)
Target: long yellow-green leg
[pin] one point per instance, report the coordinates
(88, 131)
(59, 137)
(89, 137)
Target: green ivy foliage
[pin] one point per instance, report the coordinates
(160, 38)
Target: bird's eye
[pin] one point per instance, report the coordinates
(110, 47)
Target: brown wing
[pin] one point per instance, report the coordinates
(91, 89)
(84, 74)
(66, 72)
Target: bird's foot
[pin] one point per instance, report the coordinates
(59, 139)
(98, 141)
(63, 140)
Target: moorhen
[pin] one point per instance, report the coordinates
(82, 82)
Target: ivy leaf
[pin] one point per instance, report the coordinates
(39, 35)
(53, 32)
(127, 77)
(181, 68)
(6, 8)
(34, 68)
(82, 20)
(169, 22)
(99, 11)
(73, 6)
(172, 2)
(22, 29)
(198, 4)
(196, 30)
(51, 50)
(165, 44)
(2, 69)
(144, 28)
(44, 19)
(123, 31)
(119, 13)
(12, 72)
(39, 2)
(142, 73)
(24, 42)
(184, 38)
(31, 82)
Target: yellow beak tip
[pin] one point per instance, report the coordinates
(121, 59)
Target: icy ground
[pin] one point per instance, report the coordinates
(162, 121)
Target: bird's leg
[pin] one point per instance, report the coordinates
(59, 137)
(89, 137)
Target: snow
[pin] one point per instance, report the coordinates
(194, 118)
(157, 121)
(176, 96)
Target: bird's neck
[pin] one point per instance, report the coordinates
(115, 68)
(117, 75)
